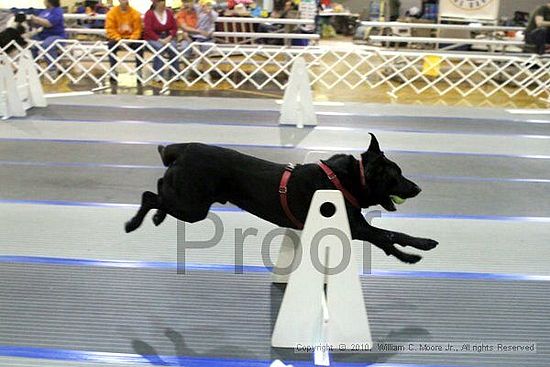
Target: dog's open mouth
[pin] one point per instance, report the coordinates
(391, 201)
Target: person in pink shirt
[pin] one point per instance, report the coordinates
(160, 29)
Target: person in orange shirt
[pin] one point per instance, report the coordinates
(187, 17)
(123, 23)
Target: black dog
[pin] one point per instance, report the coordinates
(18, 30)
(199, 175)
(14, 32)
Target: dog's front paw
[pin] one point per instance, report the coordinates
(131, 226)
(158, 218)
(424, 244)
(402, 256)
(408, 258)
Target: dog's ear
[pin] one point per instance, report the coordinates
(374, 147)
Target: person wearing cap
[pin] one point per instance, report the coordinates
(160, 29)
(123, 23)
(206, 20)
(206, 23)
(187, 20)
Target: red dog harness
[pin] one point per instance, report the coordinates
(283, 196)
(283, 188)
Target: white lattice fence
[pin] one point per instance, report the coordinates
(265, 66)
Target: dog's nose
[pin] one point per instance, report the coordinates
(416, 190)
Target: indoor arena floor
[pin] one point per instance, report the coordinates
(75, 290)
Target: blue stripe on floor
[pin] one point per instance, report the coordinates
(119, 358)
(80, 165)
(68, 203)
(497, 218)
(258, 269)
(478, 179)
(235, 209)
(155, 360)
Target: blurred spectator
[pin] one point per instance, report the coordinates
(413, 12)
(83, 8)
(537, 32)
(395, 6)
(101, 8)
(187, 19)
(282, 10)
(51, 20)
(160, 29)
(429, 9)
(255, 10)
(206, 21)
(123, 23)
(93, 7)
(521, 19)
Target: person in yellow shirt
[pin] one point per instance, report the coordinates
(123, 23)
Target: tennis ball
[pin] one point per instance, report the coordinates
(397, 200)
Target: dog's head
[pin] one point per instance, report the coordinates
(19, 22)
(384, 180)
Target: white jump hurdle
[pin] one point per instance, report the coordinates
(298, 101)
(287, 249)
(22, 91)
(10, 103)
(308, 316)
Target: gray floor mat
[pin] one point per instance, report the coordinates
(270, 118)
(124, 185)
(146, 154)
(148, 312)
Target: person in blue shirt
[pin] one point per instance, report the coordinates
(51, 20)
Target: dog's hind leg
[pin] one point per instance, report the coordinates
(149, 200)
(160, 215)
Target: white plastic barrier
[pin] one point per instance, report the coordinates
(435, 26)
(251, 35)
(289, 240)
(338, 317)
(259, 67)
(286, 35)
(218, 20)
(22, 91)
(298, 100)
(10, 104)
(457, 41)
